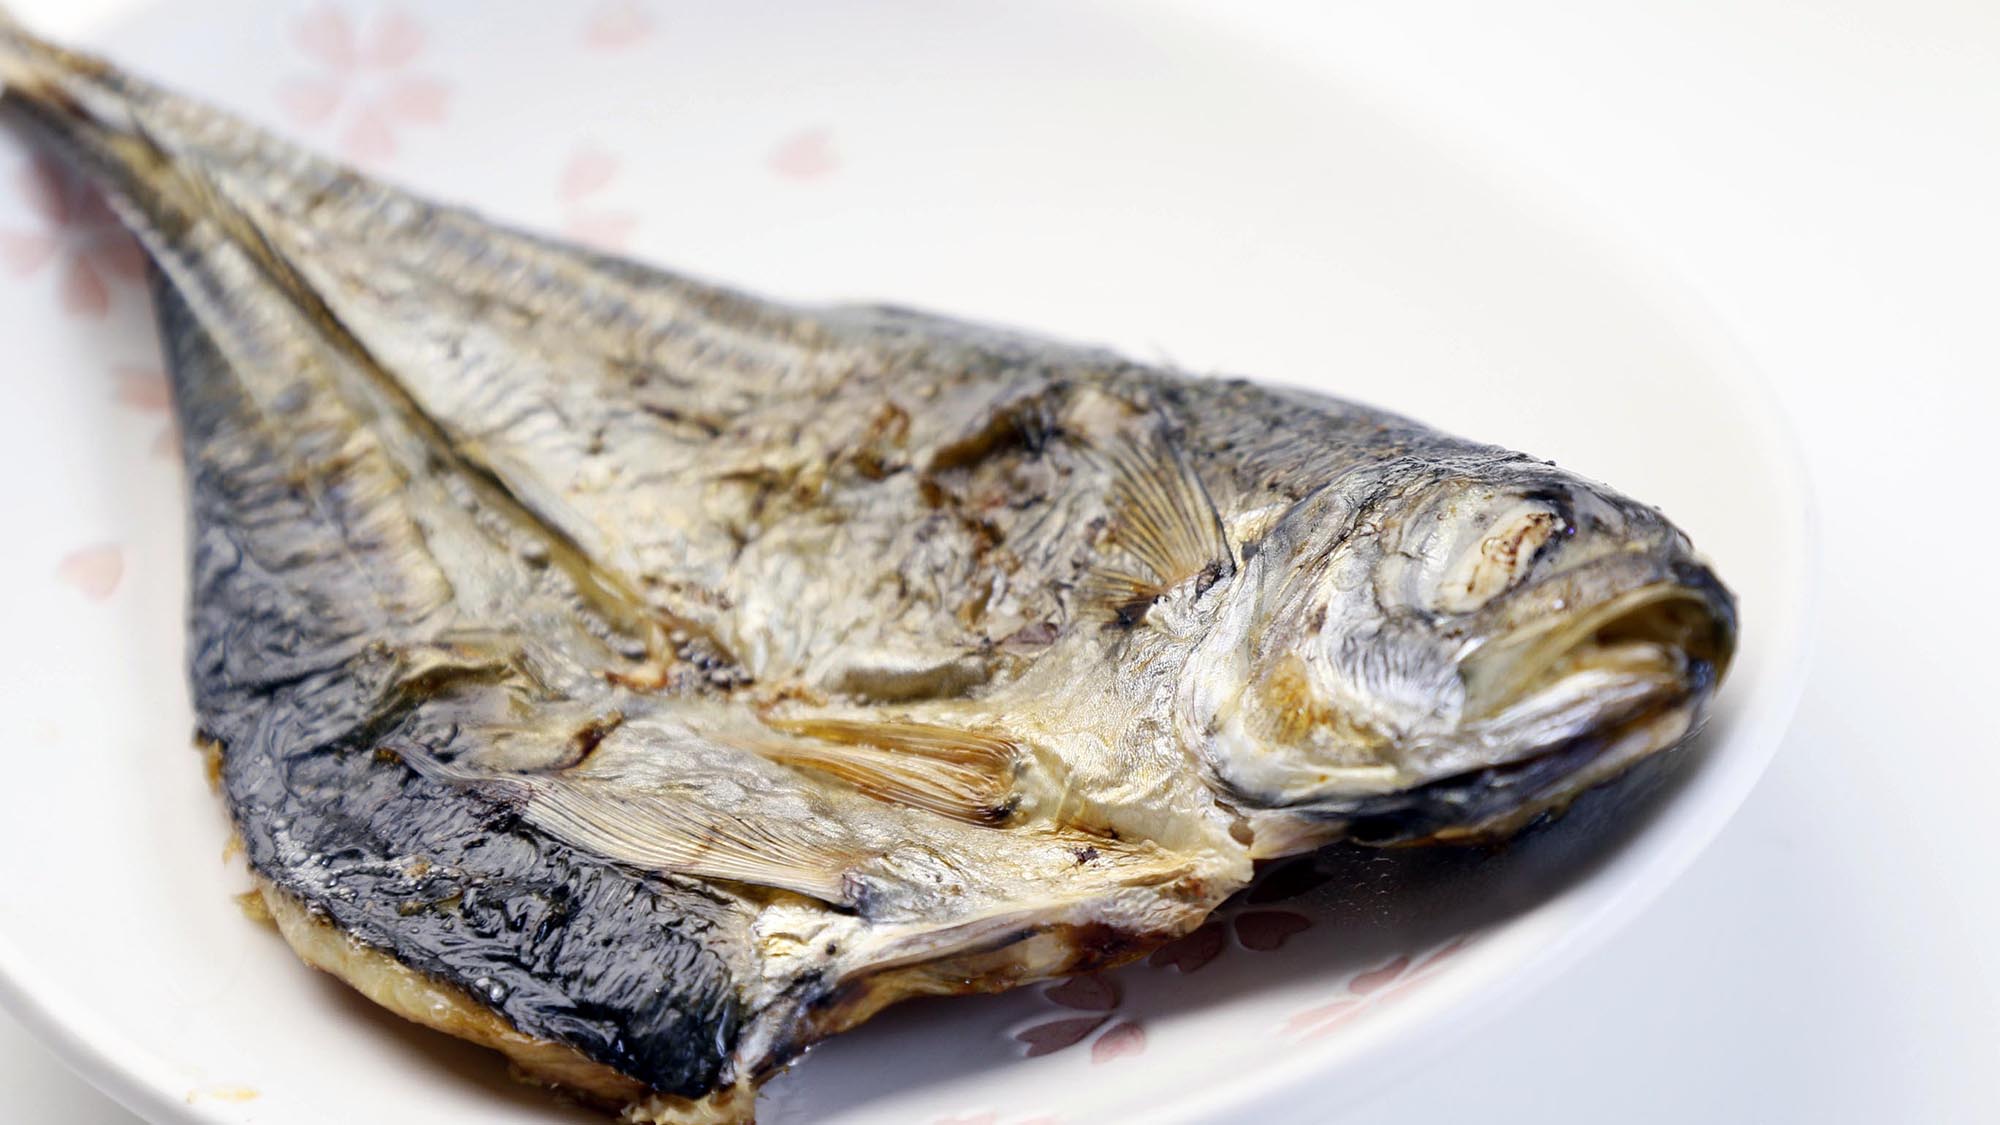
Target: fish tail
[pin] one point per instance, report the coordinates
(20, 54)
(34, 69)
(106, 122)
(80, 103)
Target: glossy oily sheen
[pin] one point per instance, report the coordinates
(684, 676)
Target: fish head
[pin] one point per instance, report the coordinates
(1448, 651)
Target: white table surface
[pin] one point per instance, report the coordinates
(1827, 174)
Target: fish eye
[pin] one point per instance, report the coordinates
(1493, 559)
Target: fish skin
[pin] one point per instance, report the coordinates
(684, 675)
(563, 940)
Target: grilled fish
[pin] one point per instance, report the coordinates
(648, 680)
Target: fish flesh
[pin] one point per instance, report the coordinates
(648, 680)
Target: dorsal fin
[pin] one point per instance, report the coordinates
(1162, 521)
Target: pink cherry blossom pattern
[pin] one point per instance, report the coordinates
(1090, 994)
(584, 179)
(1369, 990)
(589, 170)
(74, 234)
(1052, 1036)
(1261, 931)
(1192, 951)
(363, 87)
(1375, 980)
(1256, 930)
(1125, 1038)
(805, 155)
(144, 389)
(94, 571)
(617, 24)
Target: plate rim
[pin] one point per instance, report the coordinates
(1642, 869)
(1590, 910)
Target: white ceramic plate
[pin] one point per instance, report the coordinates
(1110, 173)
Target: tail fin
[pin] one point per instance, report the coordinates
(10, 31)
(113, 127)
(79, 102)
(30, 65)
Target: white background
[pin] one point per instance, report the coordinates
(1827, 174)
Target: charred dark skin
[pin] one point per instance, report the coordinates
(634, 970)
(672, 678)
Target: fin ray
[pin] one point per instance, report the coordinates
(1163, 523)
(962, 774)
(671, 825)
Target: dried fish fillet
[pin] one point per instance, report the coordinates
(647, 680)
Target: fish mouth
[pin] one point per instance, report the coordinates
(1655, 625)
(1579, 698)
(1496, 802)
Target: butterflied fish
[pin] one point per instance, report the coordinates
(648, 680)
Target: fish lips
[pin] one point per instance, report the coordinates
(1635, 594)
(1671, 612)
(1494, 802)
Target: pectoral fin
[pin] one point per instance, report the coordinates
(963, 774)
(1163, 523)
(659, 797)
